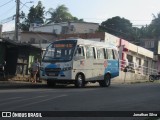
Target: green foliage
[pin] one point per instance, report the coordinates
(123, 28)
(35, 15)
(154, 27)
(120, 27)
(60, 14)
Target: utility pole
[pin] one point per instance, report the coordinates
(17, 19)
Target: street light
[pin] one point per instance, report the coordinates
(26, 3)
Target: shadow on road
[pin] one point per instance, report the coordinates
(44, 86)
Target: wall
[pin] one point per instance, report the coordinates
(129, 78)
(85, 27)
(39, 37)
(98, 35)
(79, 27)
(10, 35)
(46, 28)
(111, 39)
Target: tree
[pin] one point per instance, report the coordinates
(35, 15)
(60, 14)
(120, 27)
(154, 27)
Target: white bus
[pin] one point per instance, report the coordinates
(80, 61)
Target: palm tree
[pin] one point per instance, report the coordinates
(60, 14)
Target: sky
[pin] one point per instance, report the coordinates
(139, 12)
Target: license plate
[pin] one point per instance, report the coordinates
(51, 74)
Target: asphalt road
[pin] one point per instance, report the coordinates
(118, 97)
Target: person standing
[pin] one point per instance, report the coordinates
(35, 69)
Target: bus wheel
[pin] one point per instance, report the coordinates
(79, 81)
(106, 82)
(50, 83)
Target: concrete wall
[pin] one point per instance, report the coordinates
(39, 37)
(10, 35)
(129, 78)
(78, 27)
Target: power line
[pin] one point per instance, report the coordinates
(114, 30)
(6, 3)
(23, 5)
(6, 12)
(7, 20)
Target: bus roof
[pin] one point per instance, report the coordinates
(91, 43)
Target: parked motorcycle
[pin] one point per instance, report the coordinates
(152, 78)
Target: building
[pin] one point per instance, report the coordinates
(45, 34)
(149, 44)
(11, 35)
(66, 27)
(17, 56)
(154, 46)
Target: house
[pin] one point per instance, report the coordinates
(10, 35)
(66, 27)
(18, 56)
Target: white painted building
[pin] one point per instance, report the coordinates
(66, 27)
(11, 35)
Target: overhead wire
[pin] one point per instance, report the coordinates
(11, 18)
(6, 3)
(6, 12)
(23, 5)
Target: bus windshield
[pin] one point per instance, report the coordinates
(60, 51)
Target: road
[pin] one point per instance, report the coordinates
(118, 97)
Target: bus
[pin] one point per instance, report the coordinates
(79, 61)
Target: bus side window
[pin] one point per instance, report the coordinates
(80, 51)
(106, 53)
(115, 54)
(110, 54)
(100, 53)
(90, 52)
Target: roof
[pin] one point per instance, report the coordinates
(18, 44)
(92, 43)
(51, 24)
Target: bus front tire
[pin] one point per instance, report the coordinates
(106, 82)
(80, 82)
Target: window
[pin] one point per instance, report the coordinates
(100, 53)
(149, 44)
(115, 53)
(91, 31)
(90, 53)
(79, 51)
(44, 41)
(64, 30)
(106, 54)
(130, 58)
(32, 41)
(72, 28)
(138, 60)
(55, 31)
(110, 54)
